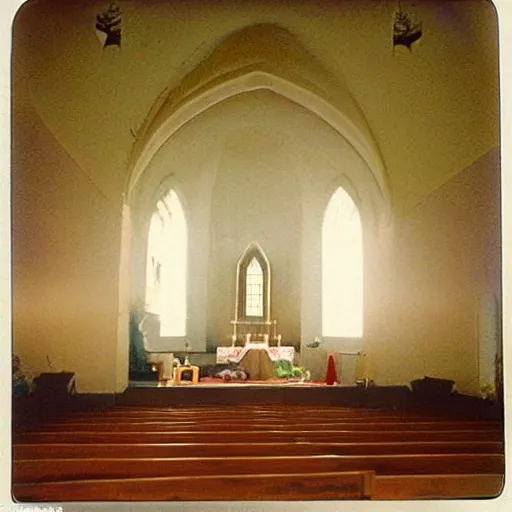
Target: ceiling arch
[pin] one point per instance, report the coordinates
(242, 64)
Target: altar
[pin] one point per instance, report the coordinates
(228, 354)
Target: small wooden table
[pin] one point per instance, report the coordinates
(178, 372)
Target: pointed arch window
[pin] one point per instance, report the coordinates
(166, 267)
(254, 289)
(253, 285)
(342, 268)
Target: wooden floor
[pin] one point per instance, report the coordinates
(135, 452)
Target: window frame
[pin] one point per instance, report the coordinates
(259, 282)
(252, 251)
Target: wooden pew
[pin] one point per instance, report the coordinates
(281, 411)
(295, 420)
(323, 486)
(284, 411)
(462, 486)
(273, 408)
(169, 426)
(251, 436)
(413, 455)
(220, 413)
(256, 419)
(47, 470)
(133, 450)
(260, 407)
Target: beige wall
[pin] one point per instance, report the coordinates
(428, 282)
(256, 167)
(66, 238)
(257, 197)
(424, 273)
(81, 114)
(443, 94)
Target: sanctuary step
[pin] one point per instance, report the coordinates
(393, 397)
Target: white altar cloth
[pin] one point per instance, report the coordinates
(227, 354)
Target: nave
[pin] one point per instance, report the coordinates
(256, 452)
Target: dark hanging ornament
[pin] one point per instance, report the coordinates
(405, 30)
(109, 23)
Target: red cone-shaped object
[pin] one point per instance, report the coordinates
(331, 377)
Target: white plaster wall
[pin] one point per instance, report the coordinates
(430, 275)
(424, 273)
(256, 167)
(66, 239)
(256, 197)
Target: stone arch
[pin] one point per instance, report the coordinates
(242, 64)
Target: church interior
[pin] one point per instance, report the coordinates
(238, 203)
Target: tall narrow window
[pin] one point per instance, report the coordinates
(254, 289)
(253, 285)
(342, 268)
(166, 270)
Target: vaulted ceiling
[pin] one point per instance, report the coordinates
(431, 111)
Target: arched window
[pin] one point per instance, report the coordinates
(166, 269)
(253, 285)
(254, 289)
(342, 268)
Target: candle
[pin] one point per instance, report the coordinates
(233, 340)
(279, 340)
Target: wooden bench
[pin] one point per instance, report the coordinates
(250, 436)
(292, 452)
(461, 486)
(220, 412)
(299, 420)
(116, 450)
(47, 470)
(275, 410)
(279, 409)
(310, 418)
(238, 425)
(323, 486)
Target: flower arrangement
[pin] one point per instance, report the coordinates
(488, 392)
